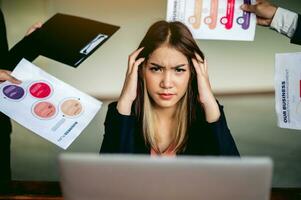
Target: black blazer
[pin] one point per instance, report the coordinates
(122, 136)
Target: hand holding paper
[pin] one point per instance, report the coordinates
(264, 11)
(5, 76)
(47, 106)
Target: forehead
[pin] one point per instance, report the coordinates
(166, 55)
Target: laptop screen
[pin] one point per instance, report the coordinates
(115, 177)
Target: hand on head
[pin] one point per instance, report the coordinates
(204, 88)
(129, 90)
(263, 10)
(205, 94)
(5, 76)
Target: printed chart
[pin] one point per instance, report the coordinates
(214, 19)
(288, 90)
(47, 106)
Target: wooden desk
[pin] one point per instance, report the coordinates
(37, 190)
(30, 190)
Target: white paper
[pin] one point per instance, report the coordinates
(214, 19)
(288, 90)
(47, 106)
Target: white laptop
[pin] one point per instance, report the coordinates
(124, 177)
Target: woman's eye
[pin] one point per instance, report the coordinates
(180, 70)
(155, 69)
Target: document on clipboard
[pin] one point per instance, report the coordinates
(70, 39)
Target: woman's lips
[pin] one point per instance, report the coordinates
(166, 96)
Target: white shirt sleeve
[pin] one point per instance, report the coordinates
(285, 22)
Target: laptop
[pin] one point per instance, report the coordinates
(134, 177)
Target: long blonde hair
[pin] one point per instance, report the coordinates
(150, 120)
(177, 36)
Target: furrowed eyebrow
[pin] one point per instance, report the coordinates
(178, 66)
(175, 67)
(157, 65)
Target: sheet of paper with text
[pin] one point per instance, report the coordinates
(47, 106)
(288, 90)
(214, 19)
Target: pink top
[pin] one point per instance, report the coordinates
(169, 152)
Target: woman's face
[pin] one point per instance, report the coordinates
(166, 76)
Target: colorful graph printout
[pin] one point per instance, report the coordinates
(214, 19)
(47, 106)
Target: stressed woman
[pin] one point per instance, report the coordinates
(166, 106)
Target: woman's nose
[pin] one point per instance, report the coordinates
(166, 81)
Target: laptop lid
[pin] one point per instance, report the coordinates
(116, 177)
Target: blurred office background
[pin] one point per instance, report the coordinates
(242, 76)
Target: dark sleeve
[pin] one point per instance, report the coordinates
(296, 39)
(26, 48)
(225, 140)
(119, 132)
(3, 43)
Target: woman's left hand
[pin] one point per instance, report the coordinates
(206, 97)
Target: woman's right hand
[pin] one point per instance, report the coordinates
(129, 90)
(5, 76)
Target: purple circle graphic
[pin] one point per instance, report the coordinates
(13, 92)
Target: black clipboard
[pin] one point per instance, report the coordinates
(70, 39)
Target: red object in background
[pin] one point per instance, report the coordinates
(300, 88)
